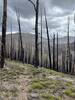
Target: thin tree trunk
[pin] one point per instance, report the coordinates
(57, 51)
(11, 43)
(54, 51)
(41, 39)
(36, 8)
(20, 38)
(49, 49)
(68, 48)
(36, 35)
(4, 22)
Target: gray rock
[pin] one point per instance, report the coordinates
(13, 98)
(1, 98)
(33, 96)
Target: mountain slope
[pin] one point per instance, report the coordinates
(24, 82)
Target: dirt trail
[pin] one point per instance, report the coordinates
(21, 85)
(24, 81)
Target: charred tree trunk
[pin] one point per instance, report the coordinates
(11, 43)
(18, 48)
(21, 52)
(74, 54)
(4, 22)
(57, 52)
(49, 49)
(54, 52)
(68, 49)
(41, 39)
(36, 35)
(36, 8)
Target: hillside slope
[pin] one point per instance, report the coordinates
(29, 43)
(29, 40)
(24, 82)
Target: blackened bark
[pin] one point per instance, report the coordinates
(74, 50)
(36, 8)
(21, 52)
(54, 52)
(4, 24)
(57, 52)
(49, 49)
(36, 35)
(11, 43)
(68, 48)
(41, 39)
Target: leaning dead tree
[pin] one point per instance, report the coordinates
(21, 49)
(36, 8)
(49, 48)
(3, 42)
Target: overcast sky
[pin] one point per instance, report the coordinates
(57, 13)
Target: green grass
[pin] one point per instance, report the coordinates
(70, 92)
(47, 96)
(40, 82)
(69, 84)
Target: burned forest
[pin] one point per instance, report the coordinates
(37, 49)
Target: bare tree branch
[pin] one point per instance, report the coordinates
(32, 4)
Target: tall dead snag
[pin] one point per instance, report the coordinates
(3, 42)
(21, 51)
(68, 49)
(49, 48)
(36, 8)
(74, 48)
(41, 39)
(18, 48)
(53, 51)
(11, 44)
(73, 67)
(57, 52)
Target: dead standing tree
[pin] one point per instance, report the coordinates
(53, 51)
(49, 48)
(57, 52)
(74, 51)
(41, 38)
(11, 44)
(68, 67)
(3, 42)
(36, 8)
(21, 49)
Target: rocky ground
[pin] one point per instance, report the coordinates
(24, 82)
